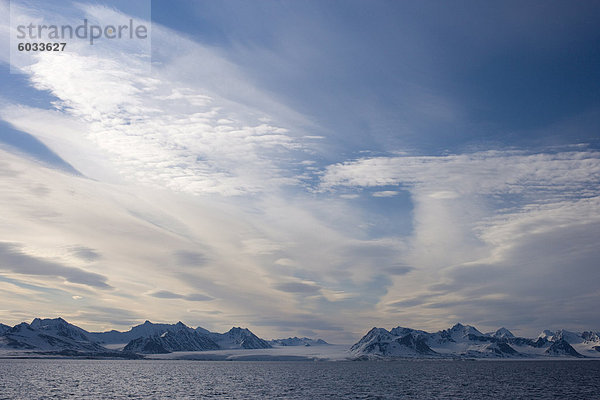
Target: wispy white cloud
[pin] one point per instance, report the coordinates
(511, 172)
(164, 129)
(385, 193)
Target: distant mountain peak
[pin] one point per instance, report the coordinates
(238, 337)
(503, 333)
(462, 331)
(237, 329)
(48, 321)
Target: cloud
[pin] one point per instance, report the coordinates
(85, 253)
(260, 246)
(399, 270)
(7, 171)
(104, 318)
(165, 294)
(298, 287)
(385, 193)
(164, 129)
(28, 144)
(14, 259)
(455, 196)
(197, 297)
(448, 177)
(302, 322)
(189, 258)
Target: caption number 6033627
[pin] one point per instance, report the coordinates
(41, 46)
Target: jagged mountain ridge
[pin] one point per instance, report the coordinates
(170, 341)
(467, 341)
(188, 339)
(400, 342)
(147, 329)
(58, 335)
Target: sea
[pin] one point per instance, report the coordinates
(175, 379)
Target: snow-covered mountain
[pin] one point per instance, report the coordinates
(467, 341)
(502, 333)
(296, 341)
(180, 337)
(147, 329)
(459, 333)
(401, 343)
(150, 338)
(50, 335)
(57, 335)
(239, 338)
(170, 341)
(586, 343)
(153, 338)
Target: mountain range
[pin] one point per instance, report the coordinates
(47, 336)
(466, 341)
(57, 337)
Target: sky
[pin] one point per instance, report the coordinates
(304, 168)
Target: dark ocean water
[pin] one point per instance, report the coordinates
(124, 379)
